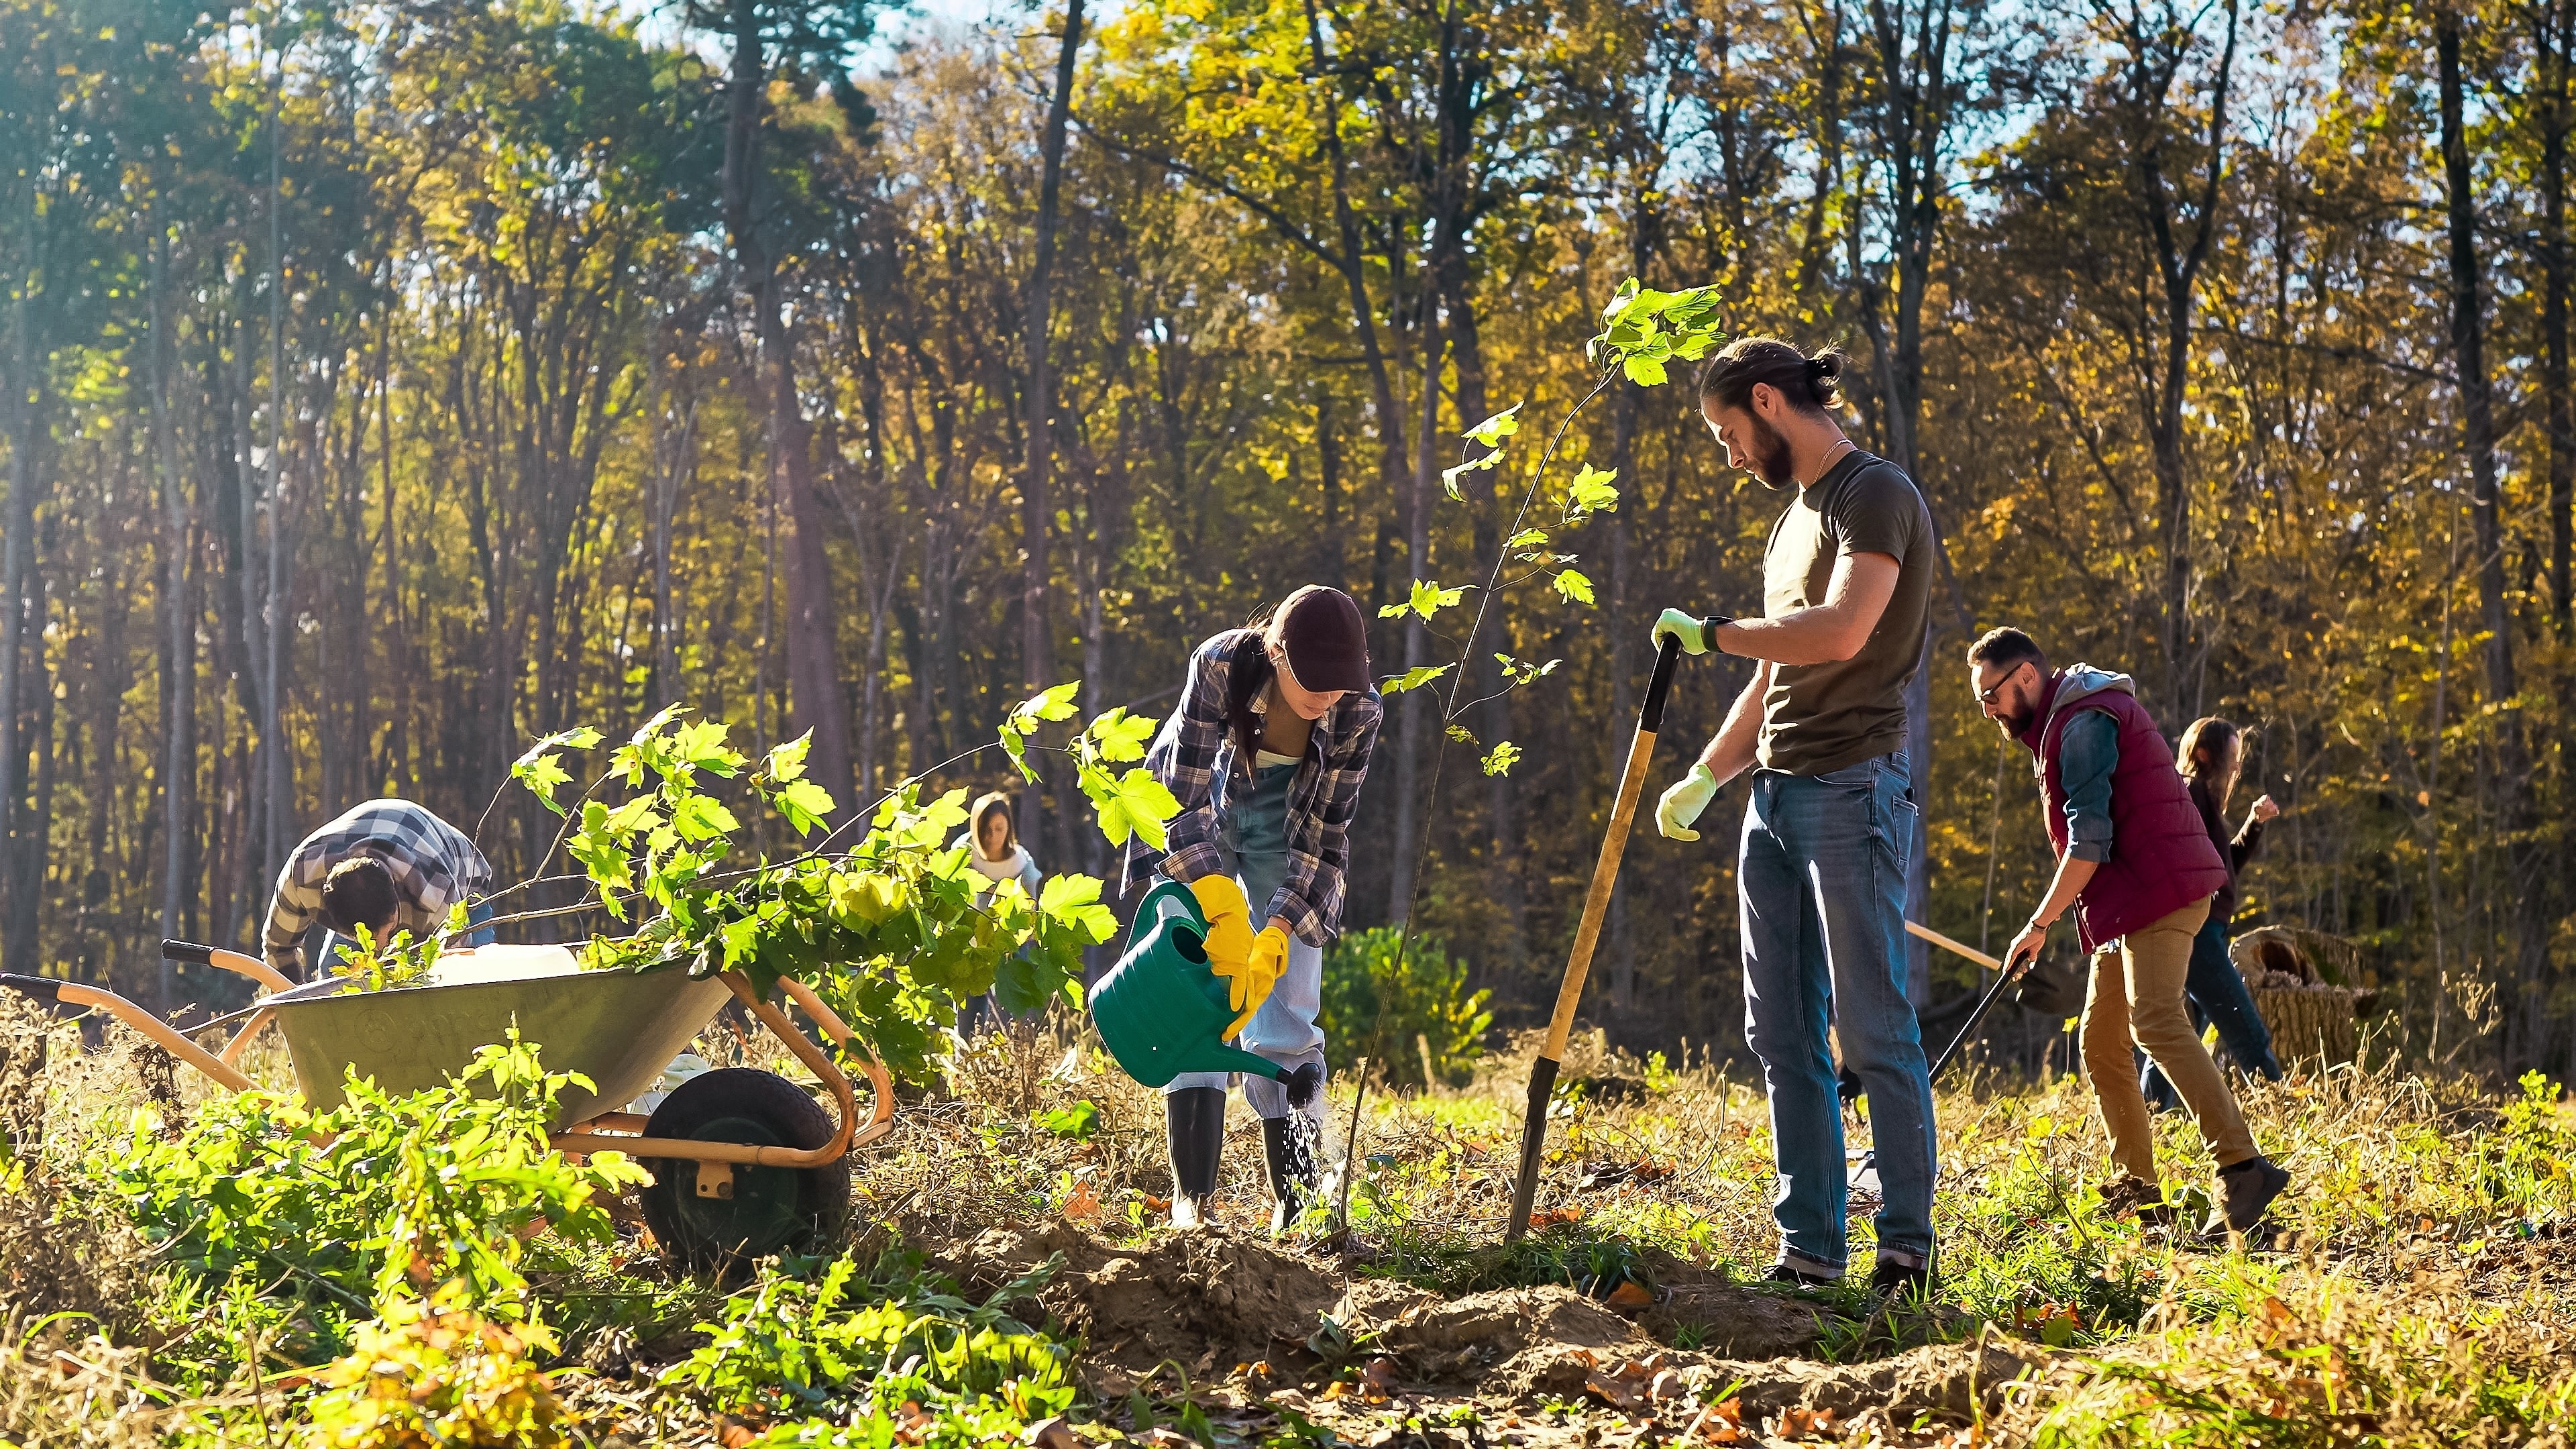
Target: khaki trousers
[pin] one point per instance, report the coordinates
(2137, 994)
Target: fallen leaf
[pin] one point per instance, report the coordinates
(1631, 1294)
(1719, 1423)
(1082, 1205)
(1799, 1423)
(1334, 1390)
(733, 1433)
(1610, 1391)
(1050, 1433)
(1667, 1384)
(1155, 1204)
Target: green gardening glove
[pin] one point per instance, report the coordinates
(1681, 804)
(1693, 632)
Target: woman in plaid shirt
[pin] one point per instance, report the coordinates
(1266, 755)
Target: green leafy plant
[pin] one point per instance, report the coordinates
(292, 1224)
(894, 930)
(818, 1336)
(1385, 1002)
(1642, 330)
(437, 1373)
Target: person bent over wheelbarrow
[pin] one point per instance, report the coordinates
(387, 865)
(1266, 755)
(2135, 863)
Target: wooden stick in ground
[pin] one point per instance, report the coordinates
(1596, 906)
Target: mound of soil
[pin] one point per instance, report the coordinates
(1209, 1299)
(1202, 1297)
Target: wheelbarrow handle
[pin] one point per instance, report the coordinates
(163, 1034)
(190, 953)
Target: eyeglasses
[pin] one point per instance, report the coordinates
(1987, 694)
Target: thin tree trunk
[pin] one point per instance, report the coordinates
(275, 770)
(2554, 20)
(814, 681)
(179, 744)
(2527, 1026)
(16, 549)
(1037, 507)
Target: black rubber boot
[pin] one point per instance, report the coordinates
(1288, 1145)
(1194, 1124)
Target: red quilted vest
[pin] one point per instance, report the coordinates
(2161, 858)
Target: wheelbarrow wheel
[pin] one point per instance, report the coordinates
(769, 1209)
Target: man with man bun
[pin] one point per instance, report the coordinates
(1829, 826)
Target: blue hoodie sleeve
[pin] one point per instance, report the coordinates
(2088, 750)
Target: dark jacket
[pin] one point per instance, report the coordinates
(2161, 859)
(2233, 850)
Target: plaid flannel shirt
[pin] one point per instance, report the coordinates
(1195, 758)
(433, 865)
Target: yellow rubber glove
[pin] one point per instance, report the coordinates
(1246, 991)
(1229, 935)
(1681, 804)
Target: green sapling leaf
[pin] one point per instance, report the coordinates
(1574, 586)
(1500, 759)
(1449, 476)
(1501, 425)
(1413, 678)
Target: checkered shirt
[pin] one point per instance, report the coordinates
(1195, 758)
(433, 865)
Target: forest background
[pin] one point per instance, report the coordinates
(389, 384)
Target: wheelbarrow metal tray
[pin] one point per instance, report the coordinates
(618, 1028)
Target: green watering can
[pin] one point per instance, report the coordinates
(1163, 1012)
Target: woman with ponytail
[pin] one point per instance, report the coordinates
(1266, 755)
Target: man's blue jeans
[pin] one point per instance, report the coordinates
(2217, 994)
(1821, 881)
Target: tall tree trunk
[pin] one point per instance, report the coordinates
(2527, 1025)
(1918, 100)
(1037, 507)
(1395, 470)
(813, 675)
(179, 705)
(2553, 21)
(275, 770)
(16, 551)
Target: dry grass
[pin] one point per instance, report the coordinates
(2422, 1290)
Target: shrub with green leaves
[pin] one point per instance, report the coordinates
(291, 1224)
(893, 930)
(1378, 999)
(818, 1337)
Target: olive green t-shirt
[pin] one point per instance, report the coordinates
(1820, 717)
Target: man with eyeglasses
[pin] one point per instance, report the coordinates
(2136, 867)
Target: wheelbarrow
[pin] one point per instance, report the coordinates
(744, 1162)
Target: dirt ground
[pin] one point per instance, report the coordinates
(1213, 1313)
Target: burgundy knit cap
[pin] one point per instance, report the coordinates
(1326, 640)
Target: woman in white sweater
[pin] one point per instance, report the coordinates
(996, 855)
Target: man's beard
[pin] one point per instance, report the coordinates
(1770, 455)
(2014, 722)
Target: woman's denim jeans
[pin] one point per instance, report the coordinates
(1821, 879)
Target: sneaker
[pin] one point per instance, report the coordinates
(2127, 1196)
(1897, 1281)
(2246, 1190)
(1793, 1275)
